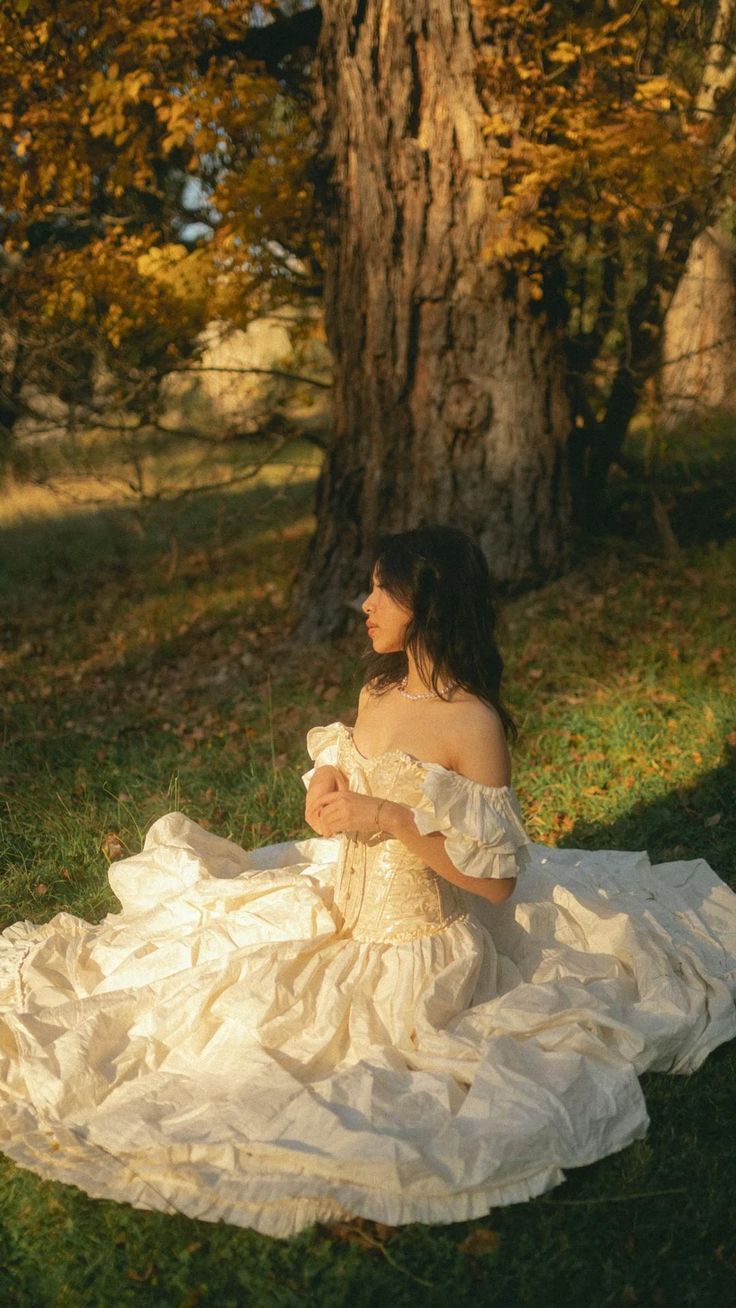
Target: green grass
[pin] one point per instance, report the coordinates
(149, 668)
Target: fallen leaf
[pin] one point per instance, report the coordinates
(40, 889)
(112, 846)
(348, 1232)
(382, 1231)
(480, 1242)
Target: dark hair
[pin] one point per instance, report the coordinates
(441, 575)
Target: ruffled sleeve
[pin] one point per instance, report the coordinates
(482, 826)
(322, 746)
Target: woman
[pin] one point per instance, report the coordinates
(425, 631)
(415, 1016)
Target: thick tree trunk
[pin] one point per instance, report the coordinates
(450, 402)
(699, 347)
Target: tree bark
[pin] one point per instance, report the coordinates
(700, 332)
(449, 399)
(700, 326)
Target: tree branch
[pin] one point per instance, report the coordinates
(266, 372)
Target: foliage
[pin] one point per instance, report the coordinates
(162, 170)
(154, 179)
(136, 680)
(598, 119)
(612, 136)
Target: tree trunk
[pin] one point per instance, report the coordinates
(699, 348)
(449, 400)
(11, 381)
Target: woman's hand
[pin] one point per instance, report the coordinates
(345, 810)
(327, 780)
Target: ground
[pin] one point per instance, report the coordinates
(146, 666)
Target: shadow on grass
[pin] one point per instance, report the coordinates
(702, 813)
(111, 633)
(691, 469)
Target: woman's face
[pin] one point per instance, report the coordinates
(386, 619)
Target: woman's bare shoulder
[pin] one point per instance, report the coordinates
(479, 749)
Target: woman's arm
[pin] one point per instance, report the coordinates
(345, 810)
(398, 821)
(326, 780)
(480, 754)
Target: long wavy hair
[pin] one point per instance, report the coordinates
(442, 577)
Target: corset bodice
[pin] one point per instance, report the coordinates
(383, 891)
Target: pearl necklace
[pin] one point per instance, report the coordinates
(433, 694)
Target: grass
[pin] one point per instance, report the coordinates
(145, 668)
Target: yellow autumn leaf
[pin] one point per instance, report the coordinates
(535, 238)
(159, 259)
(660, 92)
(76, 303)
(133, 83)
(564, 53)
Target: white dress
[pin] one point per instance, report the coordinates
(326, 1028)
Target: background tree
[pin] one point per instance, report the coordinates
(498, 198)
(700, 327)
(516, 190)
(699, 363)
(153, 181)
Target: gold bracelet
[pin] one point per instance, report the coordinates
(381, 803)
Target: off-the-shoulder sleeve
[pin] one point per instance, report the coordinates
(482, 826)
(322, 747)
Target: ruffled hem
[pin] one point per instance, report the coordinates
(274, 1205)
(219, 1049)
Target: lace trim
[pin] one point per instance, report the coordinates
(400, 937)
